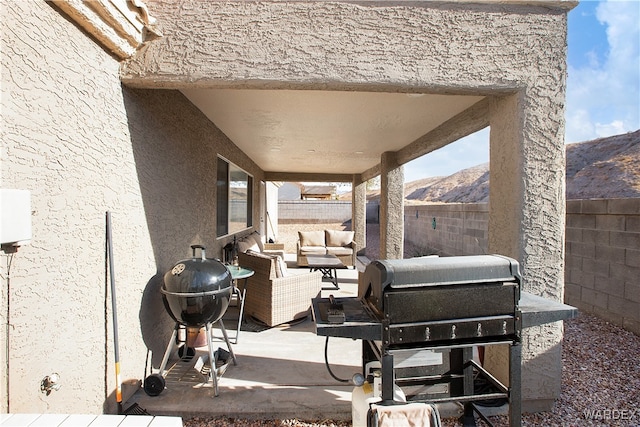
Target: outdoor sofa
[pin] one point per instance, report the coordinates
(275, 295)
(334, 242)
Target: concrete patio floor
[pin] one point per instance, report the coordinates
(280, 373)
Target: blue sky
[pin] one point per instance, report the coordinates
(603, 80)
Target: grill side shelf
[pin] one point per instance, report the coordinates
(538, 311)
(359, 322)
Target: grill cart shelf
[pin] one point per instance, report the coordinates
(422, 317)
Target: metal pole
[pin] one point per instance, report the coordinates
(115, 314)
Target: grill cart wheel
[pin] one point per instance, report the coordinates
(154, 384)
(186, 355)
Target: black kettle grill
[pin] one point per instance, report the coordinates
(196, 293)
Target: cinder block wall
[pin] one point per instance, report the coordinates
(313, 211)
(447, 229)
(602, 273)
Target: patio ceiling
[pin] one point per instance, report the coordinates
(323, 132)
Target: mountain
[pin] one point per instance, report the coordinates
(468, 185)
(601, 168)
(604, 168)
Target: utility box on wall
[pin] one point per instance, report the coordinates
(15, 217)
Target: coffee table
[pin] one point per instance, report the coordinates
(327, 264)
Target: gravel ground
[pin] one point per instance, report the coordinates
(600, 375)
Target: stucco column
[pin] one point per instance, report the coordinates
(359, 212)
(526, 222)
(391, 207)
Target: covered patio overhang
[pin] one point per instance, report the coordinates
(344, 92)
(340, 136)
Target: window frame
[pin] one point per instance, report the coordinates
(230, 219)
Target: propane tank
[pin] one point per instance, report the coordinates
(369, 393)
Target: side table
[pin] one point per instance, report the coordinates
(238, 273)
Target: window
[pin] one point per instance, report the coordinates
(234, 198)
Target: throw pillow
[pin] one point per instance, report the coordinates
(339, 237)
(281, 267)
(311, 238)
(255, 236)
(246, 244)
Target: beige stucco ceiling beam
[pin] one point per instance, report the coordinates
(469, 121)
(370, 173)
(307, 177)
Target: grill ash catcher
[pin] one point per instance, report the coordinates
(196, 293)
(421, 318)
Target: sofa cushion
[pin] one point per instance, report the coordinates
(339, 250)
(311, 238)
(339, 237)
(251, 242)
(313, 250)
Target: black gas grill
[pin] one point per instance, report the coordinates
(453, 299)
(422, 317)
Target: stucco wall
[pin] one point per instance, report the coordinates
(512, 52)
(83, 145)
(515, 53)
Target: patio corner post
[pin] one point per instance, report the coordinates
(359, 213)
(526, 222)
(391, 207)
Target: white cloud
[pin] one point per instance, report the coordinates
(603, 98)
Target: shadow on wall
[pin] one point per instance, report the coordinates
(175, 161)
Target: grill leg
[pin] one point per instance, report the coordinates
(226, 339)
(388, 378)
(170, 347)
(515, 392)
(212, 362)
(468, 419)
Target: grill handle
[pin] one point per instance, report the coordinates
(193, 294)
(202, 251)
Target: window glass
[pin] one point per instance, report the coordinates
(234, 198)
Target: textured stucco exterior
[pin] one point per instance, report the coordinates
(391, 204)
(83, 143)
(513, 53)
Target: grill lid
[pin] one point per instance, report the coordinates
(439, 271)
(434, 272)
(194, 276)
(197, 291)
